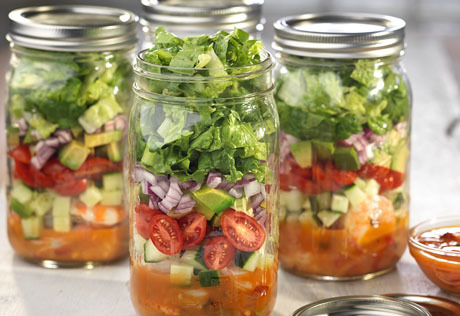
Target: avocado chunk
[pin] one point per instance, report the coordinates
(323, 150)
(211, 201)
(400, 159)
(346, 158)
(73, 155)
(95, 140)
(381, 158)
(302, 152)
(114, 152)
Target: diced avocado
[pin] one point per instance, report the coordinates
(42, 203)
(241, 204)
(339, 203)
(247, 260)
(91, 196)
(114, 151)
(323, 150)
(294, 201)
(400, 158)
(138, 243)
(152, 254)
(381, 158)
(61, 206)
(112, 181)
(95, 140)
(346, 158)
(328, 218)
(355, 195)
(302, 153)
(76, 130)
(215, 221)
(209, 278)
(31, 227)
(62, 224)
(212, 201)
(372, 187)
(13, 136)
(112, 198)
(20, 208)
(73, 155)
(181, 274)
(194, 258)
(21, 192)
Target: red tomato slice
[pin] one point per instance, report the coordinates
(41, 180)
(57, 171)
(71, 188)
(293, 181)
(94, 167)
(218, 253)
(166, 234)
(243, 231)
(146, 212)
(340, 177)
(193, 226)
(21, 153)
(21, 172)
(372, 171)
(387, 178)
(393, 180)
(324, 180)
(142, 227)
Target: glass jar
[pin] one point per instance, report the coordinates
(69, 92)
(204, 170)
(195, 17)
(344, 103)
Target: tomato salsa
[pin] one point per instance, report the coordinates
(437, 251)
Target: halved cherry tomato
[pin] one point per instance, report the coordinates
(94, 167)
(387, 178)
(340, 177)
(21, 153)
(298, 170)
(372, 171)
(71, 188)
(57, 171)
(293, 181)
(165, 234)
(21, 172)
(142, 227)
(41, 180)
(193, 226)
(393, 180)
(218, 253)
(324, 180)
(243, 231)
(146, 212)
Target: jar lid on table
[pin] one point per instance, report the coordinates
(362, 306)
(194, 15)
(340, 35)
(72, 28)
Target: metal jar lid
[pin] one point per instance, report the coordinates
(340, 35)
(362, 306)
(196, 15)
(72, 28)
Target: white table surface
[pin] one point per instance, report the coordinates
(27, 290)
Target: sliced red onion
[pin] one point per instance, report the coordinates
(196, 188)
(141, 174)
(42, 156)
(22, 126)
(64, 136)
(256, 200)
(369, 151)
(249, 177)
(262, 190)
(35, 134)
(164, 184)
(146, 188)
(236, 192)
(190, 185)
(109, 126)
(97, 131)
(159, 191)
(362, 157)
(252, 188)
(121, 122)
(52, 142)
(185, 205)
(153, 201)
(214, 180)
(261, 218)
(223, 184)
(173, 196)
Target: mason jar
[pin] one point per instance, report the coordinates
(69, 92)
(204, 157)
(344, 103)
(195, 17)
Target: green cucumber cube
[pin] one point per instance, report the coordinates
(355, 195)
(62, 224)
(91, 196)
(339, 203)
(112, 198)
(372, 187)
(20, 208)
(181, 274)
(31, 227)
(112, 181)
(328, 218)
(61, 206)
(21, 192)
(42, 203)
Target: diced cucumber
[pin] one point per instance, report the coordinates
(42, 203)
(62, 224)
(247, 260)
(294, 201)
(339, 203)
(209, 278)
(181, 274)
(95, 140)
(20, 208)
(307, 218)
(282, 213)
(91, 196)
(112, 181)
(73, 155)
(114, 151)
(372, 187)
(112, 198)
(306, 204)
(138, 243)
(194, 258)
(284, 197)
(355, 195)
(21, 192)
(152, 254)
(31, 227)
(328, 218)
(324, 200)
(360, 183)
(314, 203)
(61, 206)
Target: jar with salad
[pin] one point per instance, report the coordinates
(69, 92)
(344, 103)
(204, 157)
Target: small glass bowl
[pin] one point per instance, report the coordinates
(442, 267)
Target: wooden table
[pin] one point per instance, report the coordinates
(26, 290)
